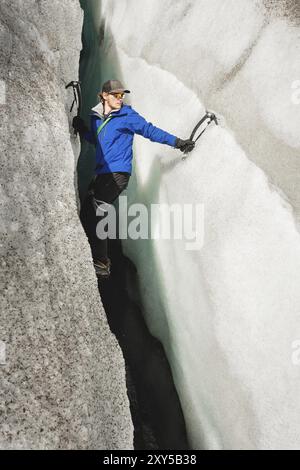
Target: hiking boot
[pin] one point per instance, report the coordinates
(102, 268)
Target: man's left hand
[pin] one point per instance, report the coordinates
(184, 146)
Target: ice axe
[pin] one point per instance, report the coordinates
(76, 86)
(201, 127)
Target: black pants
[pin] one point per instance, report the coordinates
(105, 188)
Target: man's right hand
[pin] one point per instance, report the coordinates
(79, 125)
(184, 146)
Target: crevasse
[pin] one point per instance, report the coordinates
(228, 314)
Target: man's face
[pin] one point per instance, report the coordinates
(114, 100)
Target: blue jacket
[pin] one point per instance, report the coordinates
(114, 142)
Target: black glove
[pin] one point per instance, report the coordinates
(79, 125)
(184, 146)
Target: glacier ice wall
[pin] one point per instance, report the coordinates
(227, 315)
(62, 375)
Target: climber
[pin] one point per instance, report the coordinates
(113, 125)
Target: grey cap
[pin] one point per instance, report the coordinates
(113, 86)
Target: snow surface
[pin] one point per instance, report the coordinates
(228, 314)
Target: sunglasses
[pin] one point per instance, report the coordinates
(118, 95)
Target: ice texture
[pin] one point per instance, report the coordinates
(62, 373)
(228, 314)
